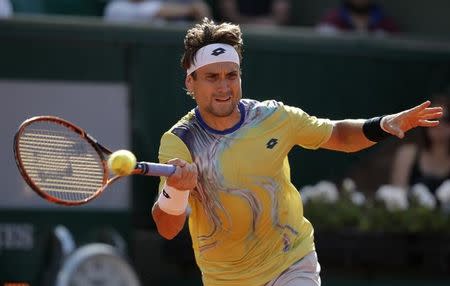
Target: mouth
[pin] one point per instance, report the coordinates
(222, 99)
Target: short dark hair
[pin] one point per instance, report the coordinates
(207, 32)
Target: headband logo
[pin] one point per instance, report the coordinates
(218, 51)
(213, 53)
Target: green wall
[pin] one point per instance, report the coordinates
(336, 77)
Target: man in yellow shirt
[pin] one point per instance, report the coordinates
(246, 220)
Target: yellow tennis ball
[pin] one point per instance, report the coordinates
(122, 162)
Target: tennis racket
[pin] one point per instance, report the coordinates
(64, 164)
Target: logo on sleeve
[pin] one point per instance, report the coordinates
(271, 143)
(218, 51)
(166, 194)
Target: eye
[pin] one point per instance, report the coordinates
(211, 77)
(232, 76)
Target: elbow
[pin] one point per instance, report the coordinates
(168, 226)
(353, 149)
(348, 148)
(166, 234)
(166, 231)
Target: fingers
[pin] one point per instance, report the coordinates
(430, 116)
(420, 107)
(424, 109)
(428, 123)
(421, 115)
(437, 109)
(185, 175)
(416, 110)
(189, 172)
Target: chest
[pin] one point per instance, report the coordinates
(249, 152)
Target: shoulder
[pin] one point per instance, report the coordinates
(183, 126)
(260, 110)
(189, 130)
(278, 107)
(174, 142)
(251, 104)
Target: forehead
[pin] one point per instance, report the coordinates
(220, 67)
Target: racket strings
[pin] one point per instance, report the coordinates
(60, 162)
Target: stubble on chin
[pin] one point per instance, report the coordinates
(223, 112)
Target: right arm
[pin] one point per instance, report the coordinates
(168, 226)
(170, 223)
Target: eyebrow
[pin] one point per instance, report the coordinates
(216, 73)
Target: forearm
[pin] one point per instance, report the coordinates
(168, 225)
(169, 210)
(348, 136)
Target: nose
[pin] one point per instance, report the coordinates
(223, 86)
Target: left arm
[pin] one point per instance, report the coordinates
(348, 134)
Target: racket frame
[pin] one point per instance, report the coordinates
(100, 149)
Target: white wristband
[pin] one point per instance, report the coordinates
(173, 201)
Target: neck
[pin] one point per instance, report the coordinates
(221, 123)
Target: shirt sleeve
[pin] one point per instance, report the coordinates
(171, 147)
(308, 131)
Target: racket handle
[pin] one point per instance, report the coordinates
(155, 169)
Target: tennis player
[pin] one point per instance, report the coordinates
(246, 219)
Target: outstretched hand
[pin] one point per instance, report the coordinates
(422, 115)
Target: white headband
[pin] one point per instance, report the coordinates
(214, 53)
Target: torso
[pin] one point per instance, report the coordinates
(247, 222)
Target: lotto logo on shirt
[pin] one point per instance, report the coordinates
(271, 143)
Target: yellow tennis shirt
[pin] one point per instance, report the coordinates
(246, 219)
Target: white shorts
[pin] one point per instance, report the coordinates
(305, 272)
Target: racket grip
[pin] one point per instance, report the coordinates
(155, 169)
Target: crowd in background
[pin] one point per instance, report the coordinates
(365, 16)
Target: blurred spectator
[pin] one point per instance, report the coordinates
(156, 10)
(426, 162)
(262, 12)
(5, 9)
(364, 16)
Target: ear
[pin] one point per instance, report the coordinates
(189, 83)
